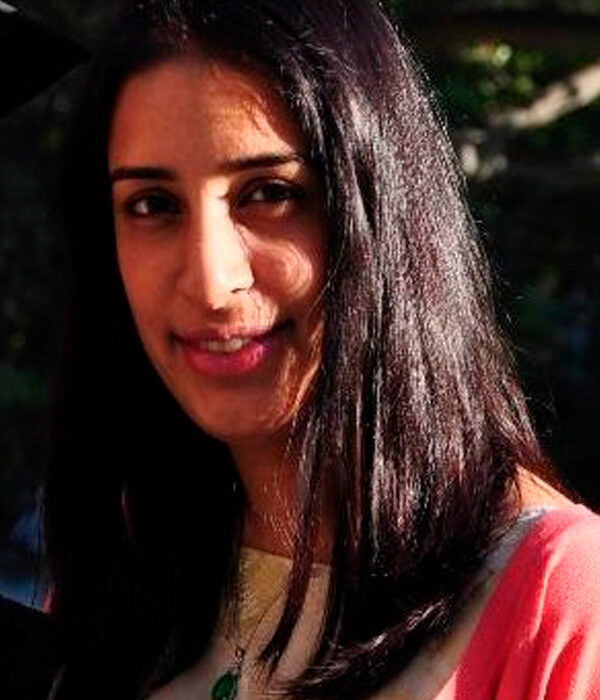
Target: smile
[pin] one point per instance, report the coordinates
(231, 356)
(224, 346)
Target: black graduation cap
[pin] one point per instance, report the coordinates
(31, 57)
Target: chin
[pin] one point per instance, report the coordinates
(248, 428)
(255, 410)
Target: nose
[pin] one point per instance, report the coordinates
(216, 263)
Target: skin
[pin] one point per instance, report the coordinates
(220, 229)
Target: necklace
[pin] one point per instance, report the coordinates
(226, 686)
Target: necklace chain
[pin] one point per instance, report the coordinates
(227, 684)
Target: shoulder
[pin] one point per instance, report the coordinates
(540, 631)
(558, 561)
(555, 567)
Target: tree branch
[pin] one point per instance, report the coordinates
(482, 151)
(562, 97)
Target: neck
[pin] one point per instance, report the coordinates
(269, 476)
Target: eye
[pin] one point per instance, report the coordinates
(152, 205)
(272, 192)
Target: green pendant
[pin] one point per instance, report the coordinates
(226, 686)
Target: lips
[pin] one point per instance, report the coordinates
(228, 352)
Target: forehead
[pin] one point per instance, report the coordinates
(185, 107)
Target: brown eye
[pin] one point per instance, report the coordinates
(154, 204)
(272, 192)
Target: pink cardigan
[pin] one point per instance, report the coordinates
(539, 635)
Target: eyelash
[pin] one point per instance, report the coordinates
(169, 206)
(281, 192)
(163, 205)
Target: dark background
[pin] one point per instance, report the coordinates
(519, 83)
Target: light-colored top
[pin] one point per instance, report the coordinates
(530, 631)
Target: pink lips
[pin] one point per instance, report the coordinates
(228, 364)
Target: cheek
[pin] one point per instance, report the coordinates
(143, 280)
(131, 276)
(293, 272)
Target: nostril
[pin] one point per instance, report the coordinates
(244, 280)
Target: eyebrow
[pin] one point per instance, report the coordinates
(141, 173)
(263, 160)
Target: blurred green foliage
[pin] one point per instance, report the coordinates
(538, 212)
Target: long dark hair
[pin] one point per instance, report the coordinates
(417, 421)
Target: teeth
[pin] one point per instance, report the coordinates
(226, 346)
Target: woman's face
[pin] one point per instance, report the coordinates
(221, 242)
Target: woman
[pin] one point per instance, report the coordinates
(288, 445)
